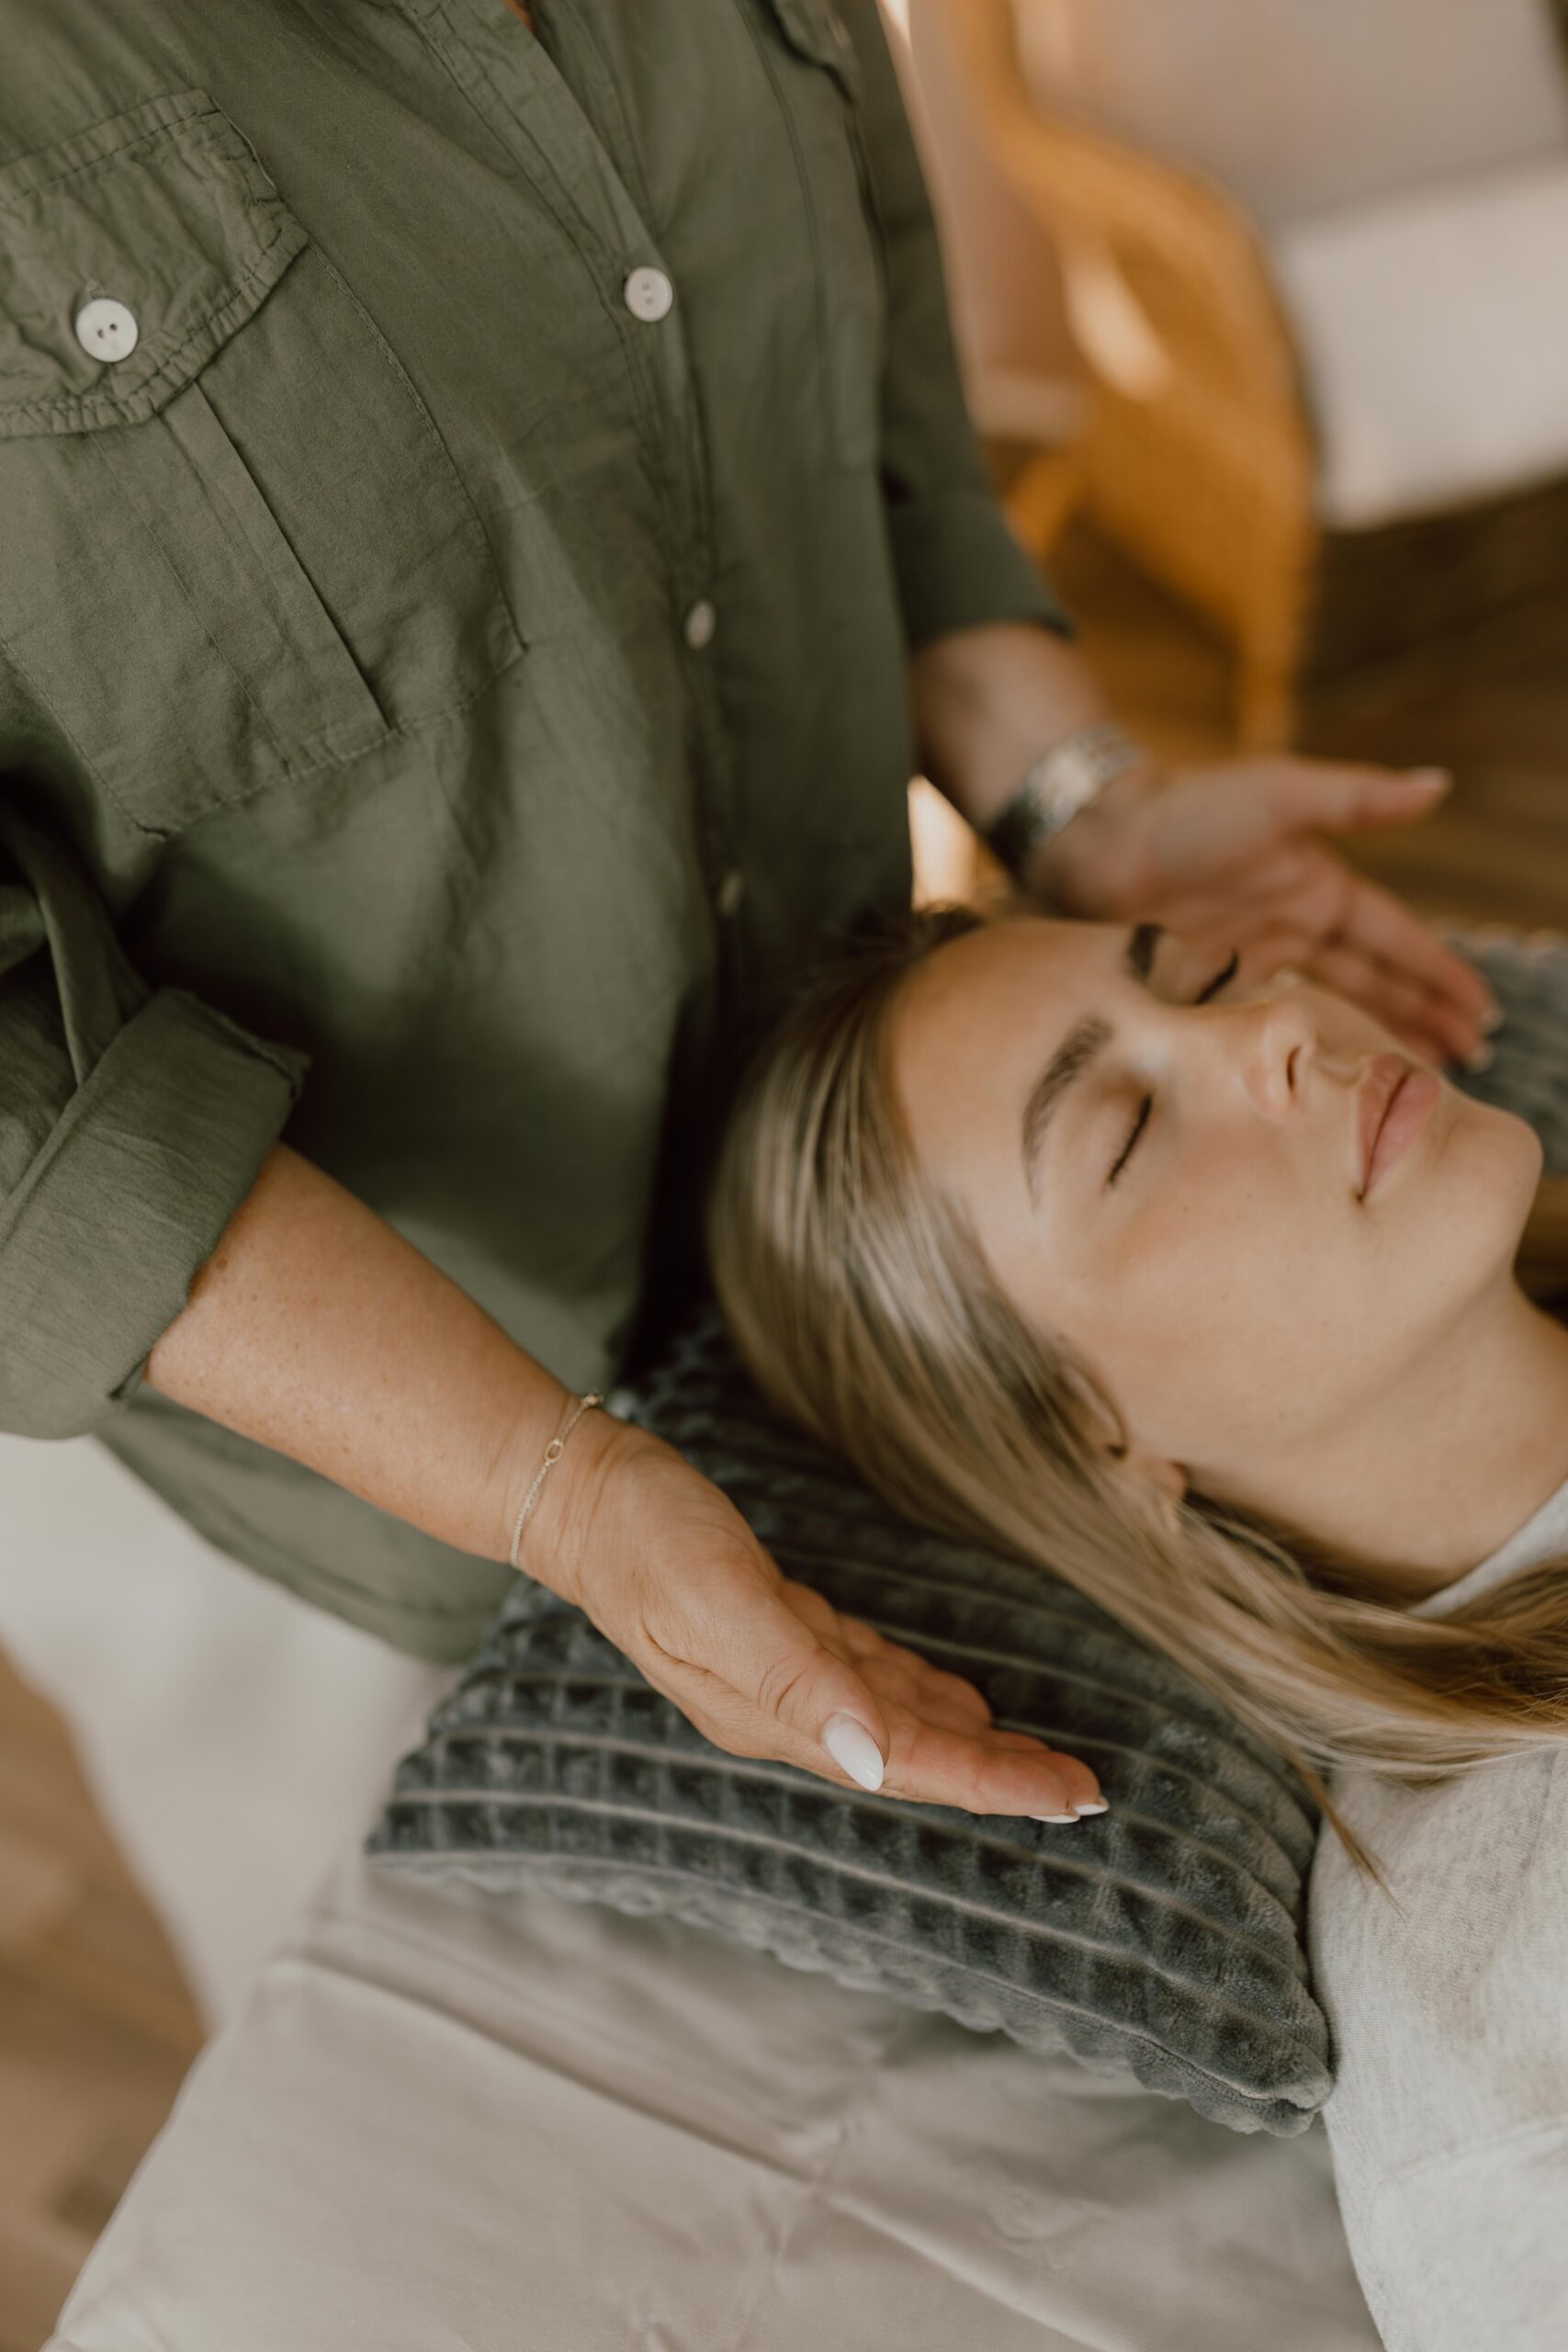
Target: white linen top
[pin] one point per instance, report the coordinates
(1544, 1532)
(1449, 2119)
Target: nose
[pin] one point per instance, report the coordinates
(1267, 1043)
(1279, 1037)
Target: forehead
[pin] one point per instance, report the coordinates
(974, 1021)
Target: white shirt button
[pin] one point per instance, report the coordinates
(105, 329)
(731, 891)
(701, 622)
(648, 295)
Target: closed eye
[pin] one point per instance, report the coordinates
(1147, 1105)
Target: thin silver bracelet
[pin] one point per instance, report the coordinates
(552, 1456)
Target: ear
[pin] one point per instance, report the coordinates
(1150, 1474)
(1162, 1481)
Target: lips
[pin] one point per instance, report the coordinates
(1385, 1075)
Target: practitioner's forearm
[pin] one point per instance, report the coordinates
(317, 1330)
(987, 701)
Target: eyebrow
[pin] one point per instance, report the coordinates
(1077, 1051)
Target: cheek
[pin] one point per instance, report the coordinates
(1431, 1247)
(1217, 1311)
(1247, 1302)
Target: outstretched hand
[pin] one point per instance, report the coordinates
(668, 1570)
(1230, 856)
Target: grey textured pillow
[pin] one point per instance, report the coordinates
(1163, 1938)
(1528, 972)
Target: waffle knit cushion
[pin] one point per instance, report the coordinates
(1163, 1935)
(1164, 1938)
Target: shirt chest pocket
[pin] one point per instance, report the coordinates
(818, 78)
(238, 550)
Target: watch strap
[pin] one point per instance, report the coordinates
(1061, 781)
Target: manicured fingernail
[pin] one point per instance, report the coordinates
(1094, 1804)
(1053, 1817)
(1483, 1057)
(852, 1745)
(1429, 779)
(1493, 1018)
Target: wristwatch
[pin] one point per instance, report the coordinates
(1060, 783)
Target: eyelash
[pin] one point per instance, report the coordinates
(1146, 1106)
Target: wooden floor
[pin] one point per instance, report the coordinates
(97, 2029)
(1494, 710)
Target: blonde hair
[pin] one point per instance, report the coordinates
(857, 1293)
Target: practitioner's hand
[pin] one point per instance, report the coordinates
(668, 1570)
(1229, 856)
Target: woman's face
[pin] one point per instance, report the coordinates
(1219, 1273)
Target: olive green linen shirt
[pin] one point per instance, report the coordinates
(467, 495)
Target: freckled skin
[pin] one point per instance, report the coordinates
(1248, 1314)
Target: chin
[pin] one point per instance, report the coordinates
(1525, 1145)
(1507, 1176)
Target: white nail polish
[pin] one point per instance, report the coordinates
(1094, 1804)
(1053, 1817)
(852, 1745)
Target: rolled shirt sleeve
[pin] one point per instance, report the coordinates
(133, 1121)
(957, 562)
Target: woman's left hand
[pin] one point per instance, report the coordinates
(1229, 856)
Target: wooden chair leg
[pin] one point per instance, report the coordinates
(1272, 632)
(1269, 653)
(1265, 703)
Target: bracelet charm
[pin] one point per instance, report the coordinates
(552, 1456)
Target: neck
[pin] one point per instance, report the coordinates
(1431, 1479)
